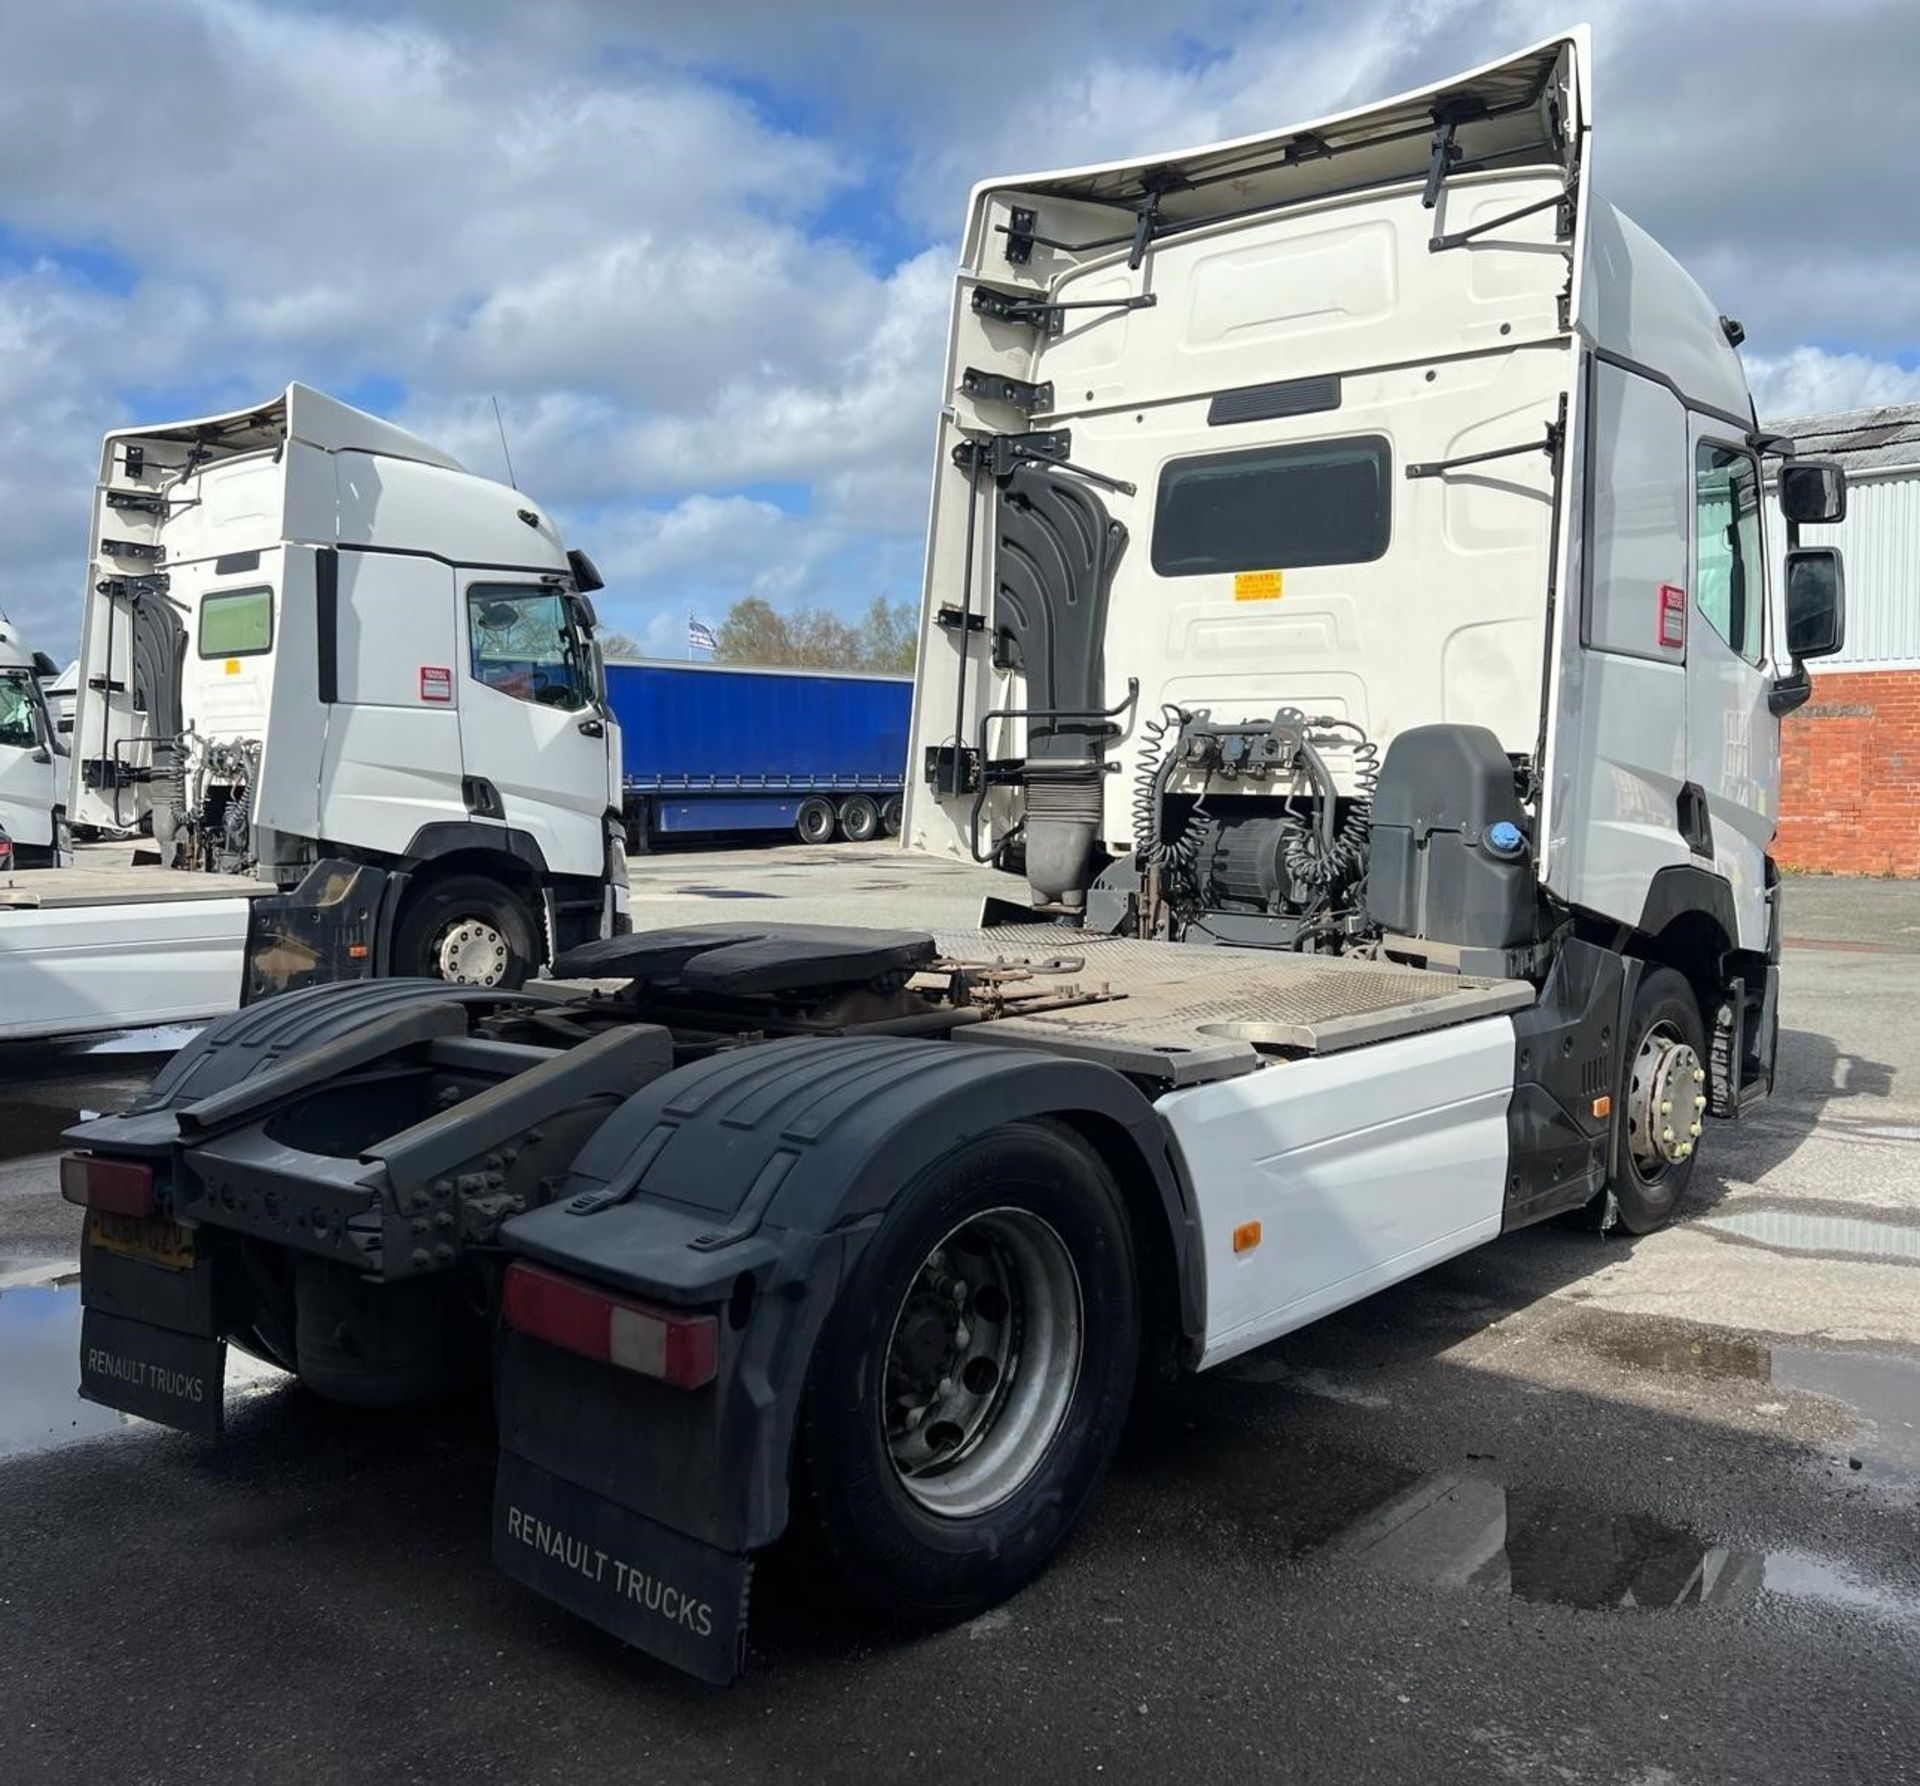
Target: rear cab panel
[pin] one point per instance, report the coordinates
(1289, 295)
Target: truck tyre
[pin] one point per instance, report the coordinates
(813, 823)
(972, 1381)
(1663, 1100)
(859, 819)
(892, 815)
(467, 930)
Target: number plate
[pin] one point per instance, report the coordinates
(152, 1239)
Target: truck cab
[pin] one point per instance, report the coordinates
(1350, 538)
(310, 636)
(30, 795)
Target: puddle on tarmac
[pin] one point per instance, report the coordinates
(1458, 1530)
(1882, 1390)
(1800, 1231)
(40, 1405)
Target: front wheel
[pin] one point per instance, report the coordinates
(468, 931)
(971, 1385)
(1664, 1098)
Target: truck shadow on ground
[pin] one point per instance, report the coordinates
(1818, 1086)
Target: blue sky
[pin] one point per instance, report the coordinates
(701, 255)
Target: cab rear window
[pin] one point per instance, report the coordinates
(236, 623)
(1274, 508)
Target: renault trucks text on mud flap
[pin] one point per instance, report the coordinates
(1346, 620)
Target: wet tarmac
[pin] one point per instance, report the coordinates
(1549, 1512)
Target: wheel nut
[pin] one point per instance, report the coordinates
(1693, 1128)
(1666, 1134)
(1699, 1075)
(1685, 1148)
(1666, 1106)
(1699, 1103)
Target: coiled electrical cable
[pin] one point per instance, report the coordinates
(1153, 770)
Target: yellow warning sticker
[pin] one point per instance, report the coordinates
(1256, 586)
(233, 666)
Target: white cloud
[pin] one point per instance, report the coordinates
(1811, 381)
(683, 295)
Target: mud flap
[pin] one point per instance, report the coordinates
(657, 1589)
(176, 1379)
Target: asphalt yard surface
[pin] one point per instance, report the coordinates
(1568, 1509)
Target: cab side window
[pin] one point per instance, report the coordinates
(19, 725)
(522, 640)
(1728, 581)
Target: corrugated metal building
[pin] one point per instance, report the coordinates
(1850, 768)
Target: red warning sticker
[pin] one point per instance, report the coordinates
(436, 683)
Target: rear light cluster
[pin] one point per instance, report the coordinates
(116, 1187)
(667, 1344)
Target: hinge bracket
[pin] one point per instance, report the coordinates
(142, 502)
(995, 387)
(1046, 314)
(1000, 454)
(133, 549)
(1021, 223)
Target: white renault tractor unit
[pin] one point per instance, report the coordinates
(350, 692)
(1346, 609)
(31, 796)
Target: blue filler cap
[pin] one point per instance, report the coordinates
(1504, 839)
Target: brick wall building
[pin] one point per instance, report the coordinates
(1850, 758)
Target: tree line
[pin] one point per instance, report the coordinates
(884, 639)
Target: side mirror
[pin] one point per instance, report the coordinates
(1813, 490)
(588, 617)
(1816, 602)
(586, 574)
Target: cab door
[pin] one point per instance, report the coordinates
(535, 734)
(1733, 739)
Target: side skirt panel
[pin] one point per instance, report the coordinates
(1361, 1169)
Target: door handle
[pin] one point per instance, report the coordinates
(592, 728)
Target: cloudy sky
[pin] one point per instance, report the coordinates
(700, 252)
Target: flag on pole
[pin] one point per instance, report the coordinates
(699, 635)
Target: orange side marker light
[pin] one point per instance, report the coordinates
(1246, 1237)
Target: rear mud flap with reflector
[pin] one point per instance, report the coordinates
(177, 1379)
(657, 1589)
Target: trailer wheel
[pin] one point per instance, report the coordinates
(972, 1381)
(466, 930)
(814, 821)
(859, 819)
(892, 815)
(1664, 1100)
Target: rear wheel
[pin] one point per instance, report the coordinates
(973, 1378)
(1664, 1100)
(892, 814)
(468, 931)
(814, 822)
(859, 819)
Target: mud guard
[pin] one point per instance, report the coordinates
(748, 1183)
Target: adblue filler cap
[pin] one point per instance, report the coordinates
(1504, 839)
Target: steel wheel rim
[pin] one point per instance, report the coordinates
(816, 823)
(1665, 1102)
(471, 952)
(981, 1363)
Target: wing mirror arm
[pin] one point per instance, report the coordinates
(1790, 692)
